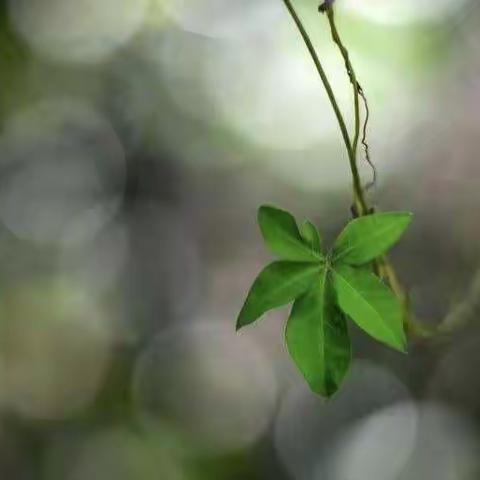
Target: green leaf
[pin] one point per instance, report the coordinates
(278, 284)
(367, 237)
(311, 236)
(281, 234)
(370, 304)
(317, 337)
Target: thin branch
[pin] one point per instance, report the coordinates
(321, 72)
(357, 92)
(365, 144)
(350, 71)
(357, 185)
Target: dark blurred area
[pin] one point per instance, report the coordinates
(137, 139)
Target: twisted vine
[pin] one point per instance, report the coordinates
(360, 206)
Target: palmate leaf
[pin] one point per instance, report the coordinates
(317, 337)
(326, 290)
(311, 236)
(370, 236)
(281, 234)
(370, 304)
(278, 284)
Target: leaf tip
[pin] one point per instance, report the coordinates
(404, 349)
(242, 320)
(407, 217)
(330, 396)
(327, 388)
(247, 315)
(328, 392)
(264, 209)
(400, 346)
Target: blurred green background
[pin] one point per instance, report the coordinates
(137, 139)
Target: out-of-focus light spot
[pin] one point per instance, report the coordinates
(471, 35)
(116, 454)
(55, 347)
(320, 167)
(61, 163)
(447, 446)
(224, 18)
(15, 460)
(156, 16)
(98, 263)
(270, 96)
(397, 12)
(308, 429)
(218, 388)
(376, 447)
(456, 378)
(265, 89)
(83, 31)
(165, 268)
(183, 74)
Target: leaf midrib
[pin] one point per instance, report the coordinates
(378, 232)
(383, 324)
(322, 323)
(314, 256)
(293, 279)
